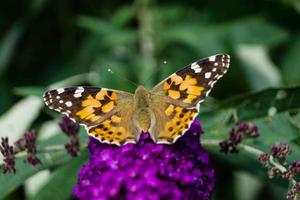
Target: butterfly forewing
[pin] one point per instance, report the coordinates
(103, 112)
(181, 93)
(194, 82)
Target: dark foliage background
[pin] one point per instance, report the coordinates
(50, 44)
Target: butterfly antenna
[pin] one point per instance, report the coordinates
(131, 82)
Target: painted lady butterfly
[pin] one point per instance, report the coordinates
(166, 111)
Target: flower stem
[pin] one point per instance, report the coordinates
(248, 149)
(48, 149)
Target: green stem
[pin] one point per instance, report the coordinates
(146, 39)
(48, 149)
(248, 149)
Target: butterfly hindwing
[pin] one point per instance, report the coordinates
(171, 122)
(100, 110)
(182, 92)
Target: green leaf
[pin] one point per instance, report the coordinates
(73, 80)
(95, 25)
(260, 70)
(274, 130)
(62, 180)
(246, 185)
(122, 16)
(8, 45)
(290, 63)
(28, 91)
(19, 118)
(256, 30)
(260, 104)
(9, 182)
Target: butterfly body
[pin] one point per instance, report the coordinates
(165, 111)
(143, 113)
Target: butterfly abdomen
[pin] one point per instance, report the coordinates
(142, 116)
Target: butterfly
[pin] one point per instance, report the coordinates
(166, 111)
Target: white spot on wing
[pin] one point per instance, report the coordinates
(198, 70)
(207, 74)
(61, 101)
(212, 58)
(68, 103)
(60, 90)
(77, 95)
(78, 92)
(195, 66)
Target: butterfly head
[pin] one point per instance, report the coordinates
(141, 97)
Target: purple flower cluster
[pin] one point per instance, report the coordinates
(147, 170)
(28, 143)
(236, 135)
(294, 192)
(279, 153)
(8, 153)
(71, 130)
(293, 170)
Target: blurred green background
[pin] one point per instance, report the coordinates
(50, 44)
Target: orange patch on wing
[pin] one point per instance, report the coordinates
(190, 98)
(110, 133)
(115, 119)
(106, 123)
(166, 86)
(86, 112)
(174, 94)
(169, 110)
(195, 90)
(89, 107)
(178, 109)
(108, 107)
(187, 82)
(95, 118)
(177, 125)
(176, 79)
(113, 96)
(101, 94)
(91, 102)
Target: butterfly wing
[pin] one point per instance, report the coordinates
(103, 112)
(176, 99)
